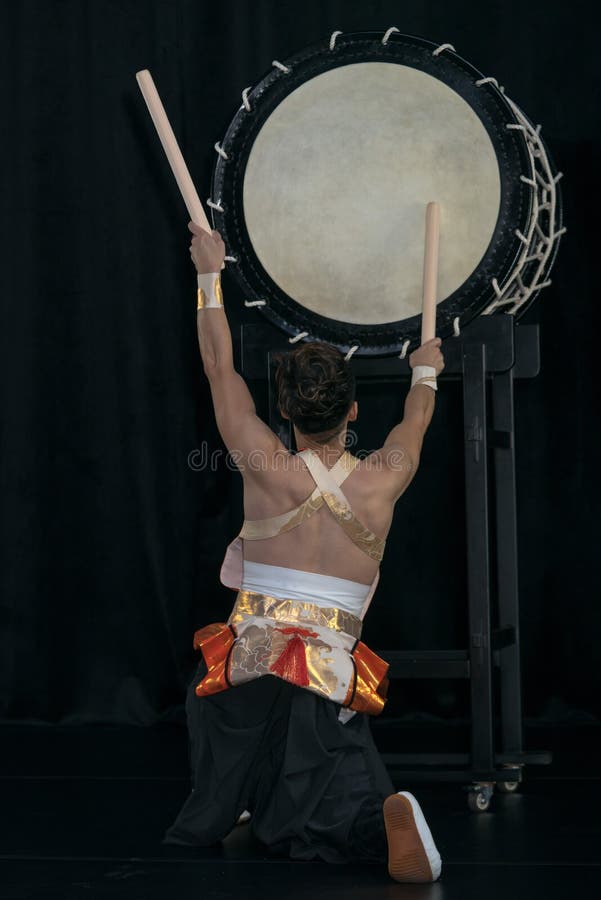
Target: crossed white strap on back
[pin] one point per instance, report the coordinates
(360, 535)
(257, 529)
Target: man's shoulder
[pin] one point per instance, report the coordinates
(384, 459)
(386, 470)
(273, 463)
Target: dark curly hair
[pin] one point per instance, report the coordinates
(315, 388)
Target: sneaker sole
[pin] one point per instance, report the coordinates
(412, 854)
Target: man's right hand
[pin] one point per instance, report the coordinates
(429, 354)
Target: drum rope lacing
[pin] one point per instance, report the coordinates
(390, 31)
(538, 243)
(213, 205)
(246, 102)
(442, 47)
(336, 34)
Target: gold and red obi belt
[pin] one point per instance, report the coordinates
(314, 647)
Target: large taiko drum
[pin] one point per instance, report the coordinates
(322, 180)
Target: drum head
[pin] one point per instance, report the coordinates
(327, 180)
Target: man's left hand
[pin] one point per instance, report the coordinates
(207, 250)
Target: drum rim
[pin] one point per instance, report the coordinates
(284, 311)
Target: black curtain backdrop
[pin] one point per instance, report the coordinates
(111, 540)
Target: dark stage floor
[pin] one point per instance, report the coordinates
(84, 811)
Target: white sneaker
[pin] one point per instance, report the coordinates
(243, 818)
(412, 854)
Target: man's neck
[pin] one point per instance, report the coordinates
(328, 453)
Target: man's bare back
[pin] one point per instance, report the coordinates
(319, 544)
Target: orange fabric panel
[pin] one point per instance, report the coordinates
(371, 685)
(215, 642)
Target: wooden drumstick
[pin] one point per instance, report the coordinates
(430, 272)
(171, 148)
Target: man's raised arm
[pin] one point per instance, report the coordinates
(214, 336)
(400, 453)
(242, 431)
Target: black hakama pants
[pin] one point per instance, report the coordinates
(313, 785)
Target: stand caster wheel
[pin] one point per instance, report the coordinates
(479, 797)
(507, 787)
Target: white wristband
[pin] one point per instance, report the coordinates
(209, 290)
(424, 375)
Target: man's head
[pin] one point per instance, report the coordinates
(316, 391)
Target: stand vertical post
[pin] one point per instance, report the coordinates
(507, 560)
(476, 496)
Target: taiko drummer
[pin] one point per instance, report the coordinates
(278, 710)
